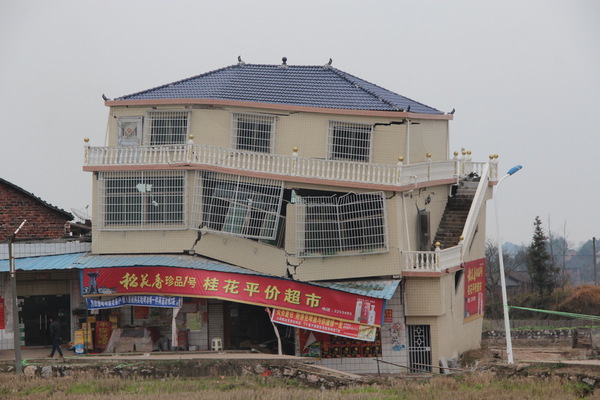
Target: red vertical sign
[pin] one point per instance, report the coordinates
(2, 314)
(103, 332)
(474, 289)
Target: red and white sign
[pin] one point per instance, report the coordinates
(2, 314)
(474, 289)
(243, 288)
(325, 325)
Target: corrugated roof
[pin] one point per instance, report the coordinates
(147, 260)
(63, 261)
(309, 86)
(381, 289)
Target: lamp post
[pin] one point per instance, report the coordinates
(15, 305)
(509, 352)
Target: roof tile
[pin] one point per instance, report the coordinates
(308, 86)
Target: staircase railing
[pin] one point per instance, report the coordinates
(440, 260)
(478, 199)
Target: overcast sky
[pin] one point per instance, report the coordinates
(523, 76)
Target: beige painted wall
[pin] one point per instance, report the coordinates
(427, 295)
(307, 131)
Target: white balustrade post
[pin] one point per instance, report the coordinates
(86, 150)
(399, 166)
(190, 146)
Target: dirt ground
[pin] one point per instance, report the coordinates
(533, 358)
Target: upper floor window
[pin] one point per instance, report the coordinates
(166, 127)
(142, 200)
(341, 224)
(237, 205)
(253, 132)
(349, 141)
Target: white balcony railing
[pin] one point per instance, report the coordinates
(432, 261)
(292, 165)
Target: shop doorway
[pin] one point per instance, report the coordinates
(35, 313)
(249, 327)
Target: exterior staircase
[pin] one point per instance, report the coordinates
(455, 215)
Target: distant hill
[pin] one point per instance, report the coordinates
(510, 248)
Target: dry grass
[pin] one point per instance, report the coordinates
(477, 385)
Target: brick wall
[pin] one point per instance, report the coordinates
(43, 222)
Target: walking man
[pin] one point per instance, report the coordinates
(55, 336)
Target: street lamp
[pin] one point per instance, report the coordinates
(509, 352)
(15, 306)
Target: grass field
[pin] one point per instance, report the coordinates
(476, 385)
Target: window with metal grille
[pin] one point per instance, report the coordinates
(142, 200)
(349, 141)
(253, 132)
(237, 205)
(341, 225)
(166, 127)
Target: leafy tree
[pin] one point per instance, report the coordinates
(542, 271)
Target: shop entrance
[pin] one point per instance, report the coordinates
(35, 315)
(249, 327)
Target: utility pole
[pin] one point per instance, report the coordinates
(594, 255)
(15, 303)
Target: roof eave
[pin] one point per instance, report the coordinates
(275, 106)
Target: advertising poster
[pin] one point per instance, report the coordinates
(103, 332)
(325, 325)
(474, 289)
(2, 314)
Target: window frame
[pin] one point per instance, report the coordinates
(334, 232)
(173, 120)
(237, 205)
(254, 144)
(336, 144)
(142, 200)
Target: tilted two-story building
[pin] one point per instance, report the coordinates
(306, 176)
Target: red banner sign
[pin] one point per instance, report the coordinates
(103, 332)
(2, 314)
(474, 289)
(325, 325)
(242, 288)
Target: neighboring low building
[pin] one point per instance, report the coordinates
(44, 246)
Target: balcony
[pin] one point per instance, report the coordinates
(193, 156)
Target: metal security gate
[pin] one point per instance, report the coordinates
(216, 326)
(419, 348)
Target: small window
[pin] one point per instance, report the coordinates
(253, 132)
(129, 131)
(142, 200)
(166, 127)
(349, 141)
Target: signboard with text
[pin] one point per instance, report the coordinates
(325, 325)
(474, 289)
(243, 288)
(140, 300)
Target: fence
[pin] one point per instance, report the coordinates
(498, 325)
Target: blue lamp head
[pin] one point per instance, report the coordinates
(514, 169)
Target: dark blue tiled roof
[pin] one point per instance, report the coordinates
(308, 86)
